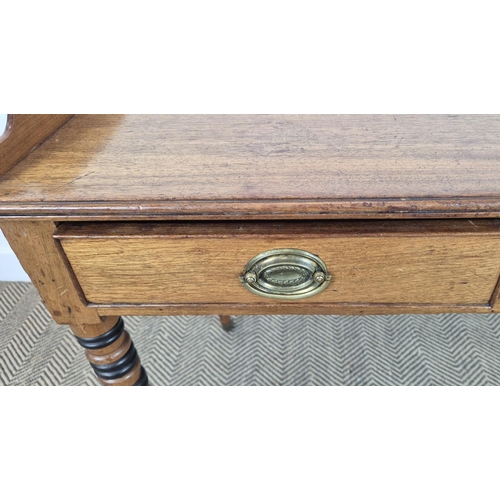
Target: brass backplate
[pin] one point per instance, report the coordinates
(285, 273)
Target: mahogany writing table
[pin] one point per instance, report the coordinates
(249, 214)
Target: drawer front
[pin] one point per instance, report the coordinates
(395, 262)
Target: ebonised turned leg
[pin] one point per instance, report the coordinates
(227, 322)
(111, 352)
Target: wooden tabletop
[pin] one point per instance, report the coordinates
(260, 166)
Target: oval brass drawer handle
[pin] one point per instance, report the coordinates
(285, 273)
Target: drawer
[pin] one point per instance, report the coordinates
(370, 262)
(378, 262)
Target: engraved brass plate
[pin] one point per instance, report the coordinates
(285, 273)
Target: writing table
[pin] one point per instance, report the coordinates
(249, 214)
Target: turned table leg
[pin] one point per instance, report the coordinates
(111, 352)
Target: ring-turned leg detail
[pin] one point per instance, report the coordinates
(113, 355)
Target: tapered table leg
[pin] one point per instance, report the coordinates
(227, 322)
(111, 352)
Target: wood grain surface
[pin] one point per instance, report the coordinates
(162, 266)
(261, 166)
(95, 330)
(23, 134)
(46, 265)
(283, 307)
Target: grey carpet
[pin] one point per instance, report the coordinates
(444, 349)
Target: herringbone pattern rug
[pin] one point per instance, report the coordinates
(443, 349)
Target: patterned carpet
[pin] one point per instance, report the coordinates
(444, 349)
